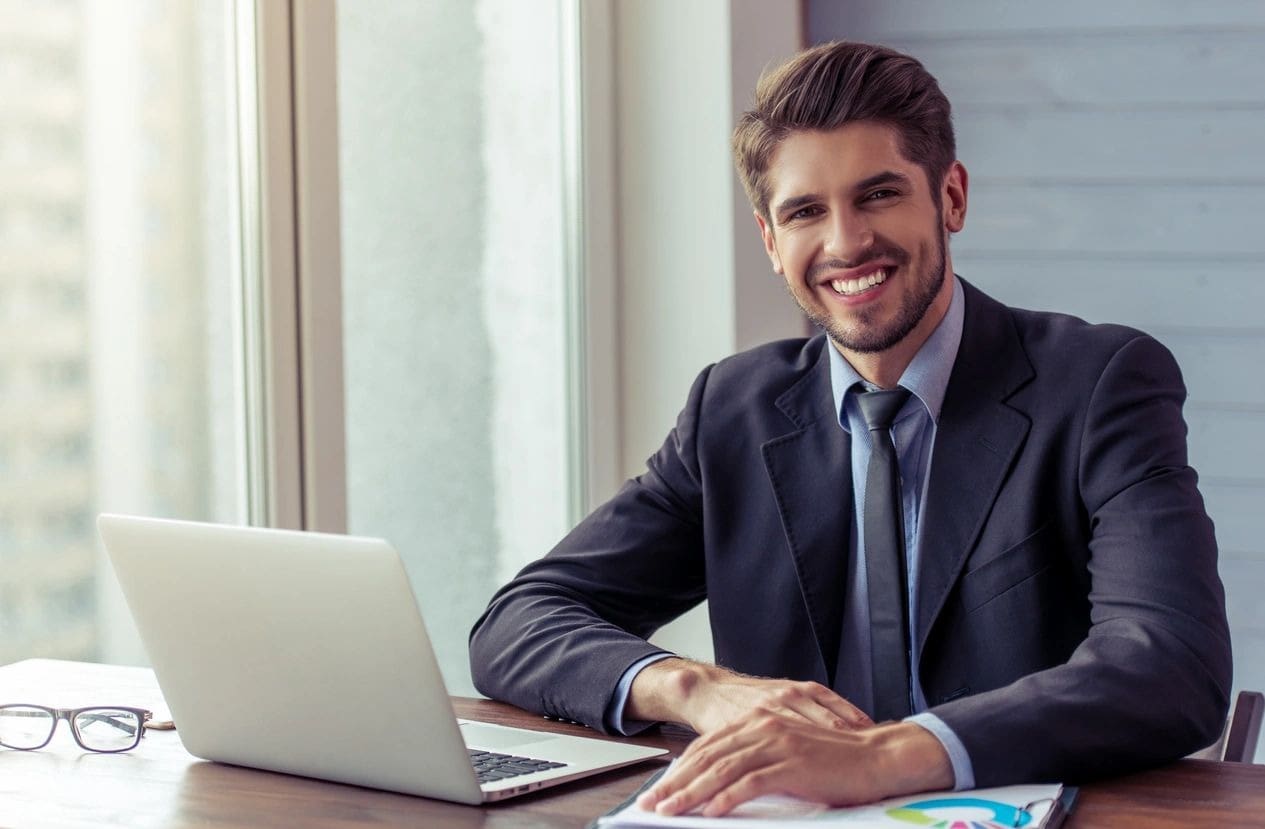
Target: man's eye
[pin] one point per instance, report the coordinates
(878, 195)
(803, 213)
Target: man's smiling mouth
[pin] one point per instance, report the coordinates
(850, 287)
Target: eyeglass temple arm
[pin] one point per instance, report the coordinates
(121, 725)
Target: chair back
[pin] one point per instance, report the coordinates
(1243, 730)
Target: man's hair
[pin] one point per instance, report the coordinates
(839, 83)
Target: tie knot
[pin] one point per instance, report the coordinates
(879, 408)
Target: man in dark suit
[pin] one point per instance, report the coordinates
(972, 524)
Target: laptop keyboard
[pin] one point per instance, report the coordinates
(490, 766)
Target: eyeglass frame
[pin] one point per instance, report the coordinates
(69, 714)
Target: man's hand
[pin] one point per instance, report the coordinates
(762, 736)
(772, 753)
(708, 698)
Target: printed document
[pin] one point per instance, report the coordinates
(1029, 807)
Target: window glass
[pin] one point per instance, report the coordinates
(454, 295)
(117, 388)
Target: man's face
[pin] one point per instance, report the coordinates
(857, 234)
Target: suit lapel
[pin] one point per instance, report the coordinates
(810, 472)
(977, 440)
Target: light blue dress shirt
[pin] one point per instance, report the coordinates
(913, 434)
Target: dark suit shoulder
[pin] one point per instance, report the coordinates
(754, 379)
(1052, 330)
(1061, 348)
(1064, 348)
(795, 354)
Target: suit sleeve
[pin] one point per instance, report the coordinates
(1151, 681)
(559, 636)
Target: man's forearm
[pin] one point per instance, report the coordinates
(539, 649)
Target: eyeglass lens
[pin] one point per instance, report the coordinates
(107, 729)
(96, 729)
(23, 727)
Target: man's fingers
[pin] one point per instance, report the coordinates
(683, 772)
(714, 763)
(676, 778)
(733, 758)
(748, 787)
(700, 778)
(820, 705)
(851, 715)
(701, 758)
(811, 711)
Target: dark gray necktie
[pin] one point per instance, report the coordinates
(887, 580)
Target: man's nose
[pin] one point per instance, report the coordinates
(849, 238)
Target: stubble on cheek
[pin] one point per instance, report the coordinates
(864, 331)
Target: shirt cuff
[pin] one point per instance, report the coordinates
(615, 708)
(963, 771)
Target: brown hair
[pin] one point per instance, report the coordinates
(834, 84)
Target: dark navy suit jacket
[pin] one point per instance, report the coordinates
(1071, 619)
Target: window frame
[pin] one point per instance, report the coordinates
(293, 373)
(296, 430)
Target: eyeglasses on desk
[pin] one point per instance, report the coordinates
(106, 729)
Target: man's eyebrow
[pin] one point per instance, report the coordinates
(885, 177)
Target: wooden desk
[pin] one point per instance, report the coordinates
(162, 785)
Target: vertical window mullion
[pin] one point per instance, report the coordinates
(319, 256)
(274, 435)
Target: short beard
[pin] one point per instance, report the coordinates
(863, 338)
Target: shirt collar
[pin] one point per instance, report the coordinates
(927, 375)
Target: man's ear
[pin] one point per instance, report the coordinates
(770, 245)
(953, 197)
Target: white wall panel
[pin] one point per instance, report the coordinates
(892, 18)
(1235, 507)
(1247, 612)
(1213, 365)
(1059, 68)
(1227, 444)
(1157, 293)
(1121, 220)
(1132, 147)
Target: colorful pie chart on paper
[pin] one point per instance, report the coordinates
(961, 813)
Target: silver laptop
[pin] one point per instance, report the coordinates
(305, 653)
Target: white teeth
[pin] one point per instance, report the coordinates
(856, 286)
